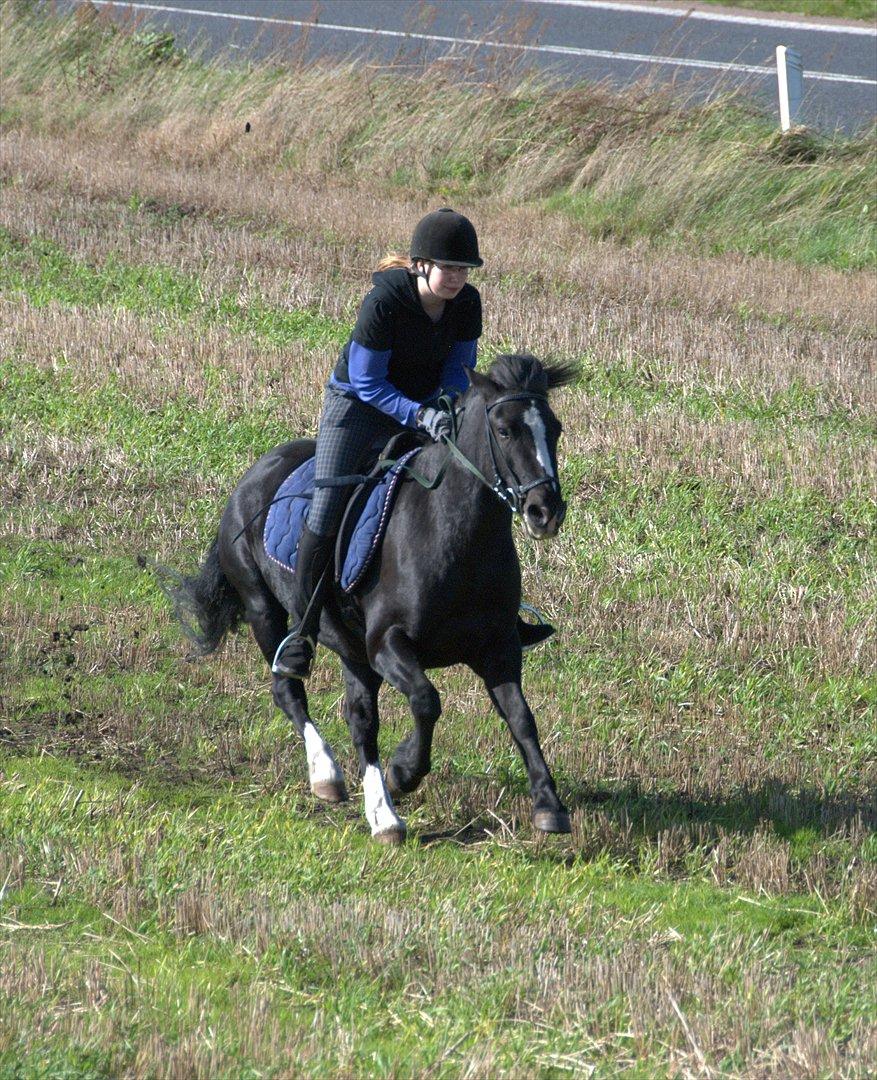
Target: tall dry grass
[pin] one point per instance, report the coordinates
(628, 164)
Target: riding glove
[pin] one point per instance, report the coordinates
(434, 421)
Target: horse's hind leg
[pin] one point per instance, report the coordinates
(268, 620)
(361, 709)
(398, 663)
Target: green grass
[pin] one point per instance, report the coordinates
(679, 532)
(827, 9)
(240, 896)
(731, 184)
(173, 902)
(44, 273)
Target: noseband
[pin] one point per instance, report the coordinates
(513, 494)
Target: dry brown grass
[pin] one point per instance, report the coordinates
(556, 981)
(118, 346)
(517, 240)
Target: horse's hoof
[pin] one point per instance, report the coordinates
(332, 791)
(556, 821)
(396, 789)
(392, 837)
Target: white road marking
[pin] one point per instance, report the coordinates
(712, 16)
(537, 425)
(322, 767)
(555, 50)
(379, 810)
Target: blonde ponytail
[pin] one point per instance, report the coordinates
(394, 259)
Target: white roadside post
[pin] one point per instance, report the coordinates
(790, 76)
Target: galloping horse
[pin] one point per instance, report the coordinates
(446, 588)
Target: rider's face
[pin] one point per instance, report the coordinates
(446, 279)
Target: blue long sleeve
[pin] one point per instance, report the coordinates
(463, 355)
(368, 376)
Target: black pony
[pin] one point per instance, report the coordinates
(445, 590)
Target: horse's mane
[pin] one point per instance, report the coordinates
(522, 371)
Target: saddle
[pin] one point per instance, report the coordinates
(365, 517)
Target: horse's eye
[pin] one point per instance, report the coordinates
(504, 433)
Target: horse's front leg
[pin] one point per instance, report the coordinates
(361, 709)
(502, 676)
(397, 661)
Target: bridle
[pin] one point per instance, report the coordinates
(514, 493)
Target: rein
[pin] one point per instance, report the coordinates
(511, 494)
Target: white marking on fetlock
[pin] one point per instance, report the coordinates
(379, 810)
(322, 766)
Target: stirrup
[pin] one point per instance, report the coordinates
(304, 671)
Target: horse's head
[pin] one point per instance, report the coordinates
(522, 435)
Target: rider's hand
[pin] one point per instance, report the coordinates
(434, 421)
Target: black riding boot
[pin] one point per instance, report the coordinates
(533, 634)
(313, 573)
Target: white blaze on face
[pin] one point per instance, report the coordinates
(536, 424)
(322, 766)
(378, 805)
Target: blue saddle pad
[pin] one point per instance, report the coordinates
(288, 513)
(289, 510)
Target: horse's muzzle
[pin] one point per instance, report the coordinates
(544, 513)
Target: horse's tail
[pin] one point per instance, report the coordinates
(206, 604)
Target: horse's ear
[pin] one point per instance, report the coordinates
(484, 385)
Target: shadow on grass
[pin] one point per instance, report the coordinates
(466, 836)
(750, 807)
(620, 815)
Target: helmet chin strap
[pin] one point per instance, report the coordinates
(425, 273)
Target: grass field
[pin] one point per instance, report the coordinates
(173, 902)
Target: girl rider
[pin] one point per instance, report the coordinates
(416, 333)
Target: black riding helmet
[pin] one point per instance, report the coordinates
(446, 236)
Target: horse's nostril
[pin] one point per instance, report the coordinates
(537, 514)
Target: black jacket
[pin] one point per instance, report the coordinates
(392, 320)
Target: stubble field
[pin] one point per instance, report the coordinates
(172, 900)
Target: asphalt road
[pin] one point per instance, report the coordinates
(594, 40)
